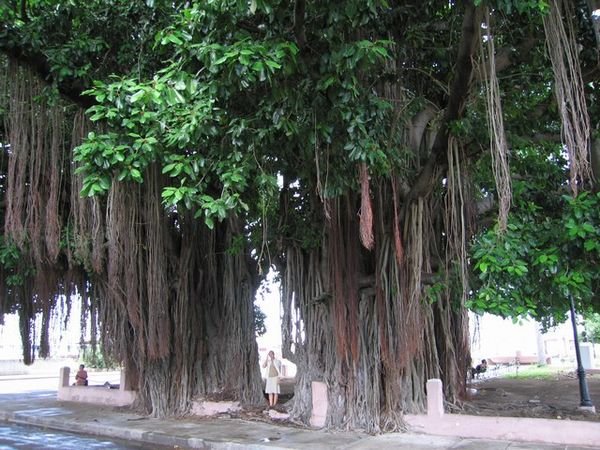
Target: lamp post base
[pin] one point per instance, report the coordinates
(589, 409)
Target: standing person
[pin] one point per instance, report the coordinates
(81, 377)
(273, 367)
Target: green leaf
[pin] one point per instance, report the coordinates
(138, 95)
(272, 64)
(220, 61)
(210, 223)
(174, 39)
(168, 168)
(135, 175)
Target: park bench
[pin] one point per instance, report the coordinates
(500, 364)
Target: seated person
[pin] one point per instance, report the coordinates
(81, 377)
(479, 368)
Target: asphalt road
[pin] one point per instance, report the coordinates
(21, 437)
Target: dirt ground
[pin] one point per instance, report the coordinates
(555, 398)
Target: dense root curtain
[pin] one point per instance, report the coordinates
(359, 321)
(164, 295)
(35, 212)
(184, 302)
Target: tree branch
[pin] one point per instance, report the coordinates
(458, 94)
(37, 62)
(24, 17)
(299, 13)
(509, 56)
(419, 124)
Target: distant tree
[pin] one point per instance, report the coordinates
(259, 321)
(591, 328)
(96, 359)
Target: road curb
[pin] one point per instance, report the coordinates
(127, 434)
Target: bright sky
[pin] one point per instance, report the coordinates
(267, 299)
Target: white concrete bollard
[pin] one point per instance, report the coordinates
(587, 355)
(319, 404)
(435, 398)
(63, 377)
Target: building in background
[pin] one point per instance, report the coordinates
(498, 339)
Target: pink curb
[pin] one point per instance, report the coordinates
(549, 431)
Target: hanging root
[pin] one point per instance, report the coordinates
(366, 210)
(569, 88)
(498, 147)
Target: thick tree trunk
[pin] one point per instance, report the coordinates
(187, 298)
(374, 346)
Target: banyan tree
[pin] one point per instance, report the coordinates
(159, 159)
(165, 294)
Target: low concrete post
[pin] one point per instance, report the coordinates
(63, 377)
(435, 398)
(319, 404)
(587, 355)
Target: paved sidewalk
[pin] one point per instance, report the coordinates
(42, 409)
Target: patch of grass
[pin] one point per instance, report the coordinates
(535, 372)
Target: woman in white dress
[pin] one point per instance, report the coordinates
(273, 367)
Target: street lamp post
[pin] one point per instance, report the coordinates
(586, 402)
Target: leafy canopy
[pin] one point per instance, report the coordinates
(231, 106)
